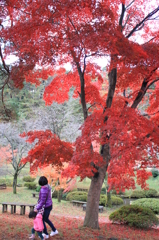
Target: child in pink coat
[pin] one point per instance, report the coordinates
(38, 225)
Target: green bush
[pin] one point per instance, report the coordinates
(38, 188)
(114, 192)
(150, 193)
(6, 181)
(144, 193)
(115, 200)
(55, 193)
(155, 172)
(151, 203)
(103, 191)
(64, 195)
(138, 194)
(28, 179)
(77, 195)
(30, 185)
(135, 216)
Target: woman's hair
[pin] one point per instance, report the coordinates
(43, 181)
(32, 214)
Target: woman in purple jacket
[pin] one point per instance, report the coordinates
(45, 199)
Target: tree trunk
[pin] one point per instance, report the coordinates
(15, 183)
(91, 217)
(109, 201)
(59, 196)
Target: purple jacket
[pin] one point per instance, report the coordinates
(44, 197)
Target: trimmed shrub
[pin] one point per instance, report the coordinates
(138, 194)
(28, 179)
(30, 185)
(38, 188)
(144, 193)
(114, 200)
(114, 192)
(150, 193)
(155, 172)
(55, 193)
(77, 195)
(151, 203)
(135, 216)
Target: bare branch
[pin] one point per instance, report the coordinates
(144, 89)
(130, 4)
(122, 16)
(138, 26)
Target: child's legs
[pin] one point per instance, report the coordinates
(33, 231)
(40, 235)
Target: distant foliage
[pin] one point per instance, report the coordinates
(114, 200)
(77, 195)
(135, 216)
(151, 203)
(28, 179)
(103, 191)
(55, 193)
(8, 182)
(144, 193)
(155, 172)
(30, 185)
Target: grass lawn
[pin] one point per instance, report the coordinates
(25, 196)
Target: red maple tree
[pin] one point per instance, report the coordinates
(49, 34)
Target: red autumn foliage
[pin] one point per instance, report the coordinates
(48, 149)
(46, 33)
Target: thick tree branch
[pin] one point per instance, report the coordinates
(143, 89)
(122, 16)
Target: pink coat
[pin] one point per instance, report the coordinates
(38, 223)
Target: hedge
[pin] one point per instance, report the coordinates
(114, 200)
(151, 203)
(28, 179)
(77, 195)
(30, 185)
(135, 216)
(144, 193)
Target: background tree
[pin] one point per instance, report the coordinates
(13, 149)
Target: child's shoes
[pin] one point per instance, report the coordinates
(32, 236)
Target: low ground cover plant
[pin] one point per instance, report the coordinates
(151, 203)
(135, 216)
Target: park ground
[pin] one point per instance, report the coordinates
(67, 219)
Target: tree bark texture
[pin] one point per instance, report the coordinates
(91, 217)
(15, 183)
